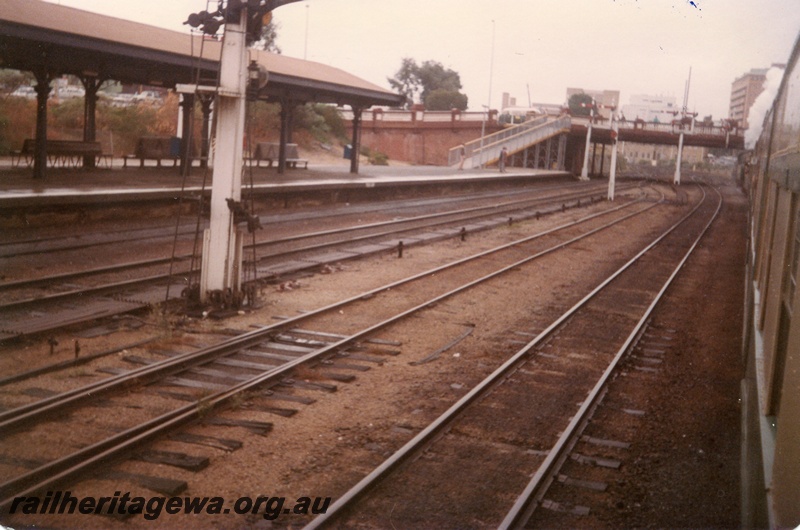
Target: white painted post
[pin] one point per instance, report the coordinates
(221, 266)
(585, 169)
(677, 179)
(612, 175)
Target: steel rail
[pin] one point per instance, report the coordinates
(438, 425)
(168, 231)
(527, 502)
(16, 417)
(70, 466)
(110, 289)
(34, 282)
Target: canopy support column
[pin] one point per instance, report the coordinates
(91, 84)
(356, 142)
(206, 100)
(187, 104)
(285, 134)
(42, 88)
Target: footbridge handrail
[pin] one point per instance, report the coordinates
(486, 149)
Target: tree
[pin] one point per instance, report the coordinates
(269, 38)
(429, 83)
(10, 80)
(442, 99)
(406, 81)
(576, 102)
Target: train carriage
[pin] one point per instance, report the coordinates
(771, 388)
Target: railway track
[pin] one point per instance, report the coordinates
(45, 304)
(524, 419)
(97, 240)
(217, 376)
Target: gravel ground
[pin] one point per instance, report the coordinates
(330, 444)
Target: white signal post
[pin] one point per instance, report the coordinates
(222, 242)
(612, 174)
(677, 179)
(585, 169)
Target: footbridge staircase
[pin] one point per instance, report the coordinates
(540, 142)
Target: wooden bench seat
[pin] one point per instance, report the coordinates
(64, 153)
(158, 148)
(269, 152)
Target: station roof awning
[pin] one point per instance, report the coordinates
(46, 37)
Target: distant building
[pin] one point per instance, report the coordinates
(635, 153)
(655, 109)
(744, 91)
(606, 98)
(508, 101)
(661, 109)
(510, 112)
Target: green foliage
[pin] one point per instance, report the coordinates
(10, 80)
(333, 120)
(127, 124)
(323, 122)
(263, 121)
(17, 122)
(123, 126)
(269, 38)
(430, 79)
(379, 159)
(575, 101)
(405, 81)
(306, 117)
(67, 114)
(376, 158)
(443, 99)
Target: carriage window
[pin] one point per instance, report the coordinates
(785, 321)
(790, 285)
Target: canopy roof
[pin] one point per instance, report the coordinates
(50, 38)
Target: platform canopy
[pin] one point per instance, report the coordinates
(50, 39)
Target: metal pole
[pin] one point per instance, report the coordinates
(305, 47)
(585, 169)
(612, 172)
(221, 269)
(40, 150)
(489, 101)
(677, 179)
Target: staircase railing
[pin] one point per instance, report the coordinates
(485, 151)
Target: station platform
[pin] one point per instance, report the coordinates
(96, 186)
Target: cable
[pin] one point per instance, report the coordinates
(189, 135)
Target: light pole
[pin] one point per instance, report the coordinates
(483, 132)
(585, 168)
(677, 178)
(305, 48)
(612, 175)
(489, 102)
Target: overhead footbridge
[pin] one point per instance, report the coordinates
(546, 135)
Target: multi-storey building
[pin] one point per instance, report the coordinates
(661, 109)
(605, 98)
(745, 90)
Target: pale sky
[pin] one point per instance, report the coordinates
(536, 47)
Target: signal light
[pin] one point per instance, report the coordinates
(207, 22)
